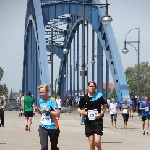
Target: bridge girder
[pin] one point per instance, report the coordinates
(41, 14)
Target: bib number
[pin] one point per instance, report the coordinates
(125, 111)
(146, 108)
(92, 114)
(46, 120)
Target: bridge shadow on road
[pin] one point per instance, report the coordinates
(66, 109)
(111, 142)
(129, 128)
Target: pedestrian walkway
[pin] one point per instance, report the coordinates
(14, 137)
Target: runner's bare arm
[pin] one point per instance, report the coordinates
(55, 112)
(4, 104)
(80, 111)
(104, 108)
(36, 109)
(34, 106)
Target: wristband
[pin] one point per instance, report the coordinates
(50, 111)
(47, 113)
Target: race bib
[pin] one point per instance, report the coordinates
(146, 108)
(46, 120)
(92, 114)
(113, 110)
(125, 111)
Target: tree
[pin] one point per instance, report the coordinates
(1, 73)
(2, 87)
(113, 93)
(144, 80)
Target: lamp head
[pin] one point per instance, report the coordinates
(125, 51)
(106, 20)
(92, 62)
(65, 51)
(49, 61)
(65, 75)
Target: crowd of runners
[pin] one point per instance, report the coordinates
(127, 109)
(92, 106)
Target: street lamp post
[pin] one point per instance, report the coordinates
(125, 51)
(83, 49)
(55, 87)
(52, 51)
(106, 20)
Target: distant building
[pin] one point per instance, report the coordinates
(111, 86)
(14, 95)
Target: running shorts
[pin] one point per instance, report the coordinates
(93, 127)
(28, 114)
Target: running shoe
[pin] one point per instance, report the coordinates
(143, 132)
(115, 127)
(82, 123)
(26, 128)
(147, 133)
(29, 130)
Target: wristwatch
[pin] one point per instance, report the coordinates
(48, 112)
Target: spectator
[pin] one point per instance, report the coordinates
(2, 107)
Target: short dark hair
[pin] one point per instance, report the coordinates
(29, 93)
(93, 83)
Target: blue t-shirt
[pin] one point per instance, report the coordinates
(130, 102)
(48, 122)
(120, 103)
(145, 105)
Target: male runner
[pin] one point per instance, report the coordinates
(131, 110)
(145, 107)
(28, 105)
(2, 107)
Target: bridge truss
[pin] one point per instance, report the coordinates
(44, 15)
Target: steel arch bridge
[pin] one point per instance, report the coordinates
(44, 15)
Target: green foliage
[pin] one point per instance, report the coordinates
(144, 80)
(1, 73)
(113, 93)
(4, 88)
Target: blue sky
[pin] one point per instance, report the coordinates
(126, 14)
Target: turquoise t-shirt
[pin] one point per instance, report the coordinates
(48, 122)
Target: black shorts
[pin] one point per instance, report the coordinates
(145, 118)
(93, 127)
(28, 114)
(70, 104)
